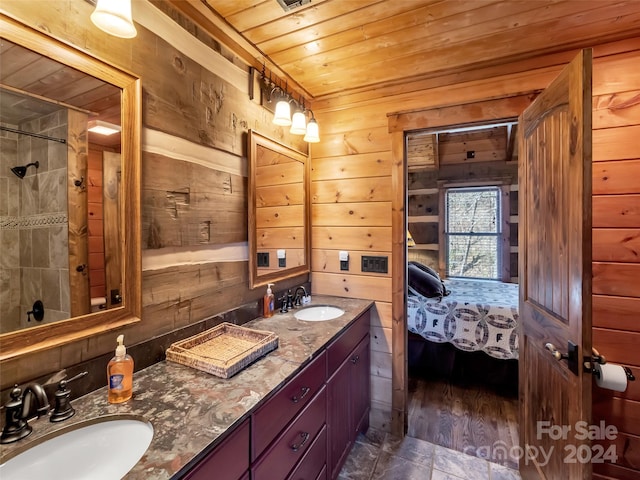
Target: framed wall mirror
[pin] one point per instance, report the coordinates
(279, 227)
(69, 196)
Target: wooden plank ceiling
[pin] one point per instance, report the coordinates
(27, 79)
(329, 47)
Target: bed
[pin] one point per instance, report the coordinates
(478, 315)
(470, 332)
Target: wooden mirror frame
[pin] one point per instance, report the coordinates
(257, 140)
(58, 333)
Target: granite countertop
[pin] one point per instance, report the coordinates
(190, 410)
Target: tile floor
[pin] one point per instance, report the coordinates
(380, 456)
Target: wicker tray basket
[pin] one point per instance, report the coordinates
(223, 350)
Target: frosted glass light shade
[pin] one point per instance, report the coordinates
(103, 128)
(282, 115)
(298, 124)
(313, 134)
(114, 17)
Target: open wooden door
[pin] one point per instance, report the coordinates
(555, 272)
(111, 202)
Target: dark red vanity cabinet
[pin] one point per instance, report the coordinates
(361, 387)
(290, 447)
(272, 417)
(313, 462)
(306, 429)
(323, 474)
(229, 460)
(348, 392)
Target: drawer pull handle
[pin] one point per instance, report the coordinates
(355, 359)
(304, 391)
(305, 437)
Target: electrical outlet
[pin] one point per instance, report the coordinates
(375, 264)
(263, 259)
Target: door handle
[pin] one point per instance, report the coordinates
(571, 356)
(555, 352)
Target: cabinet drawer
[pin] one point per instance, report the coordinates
(323, 474)
(292, 444)
(314, 460)
(271, 418)
(228, 461)
(339, 350)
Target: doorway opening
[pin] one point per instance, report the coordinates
(462, 350)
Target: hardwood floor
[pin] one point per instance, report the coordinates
(471, 419)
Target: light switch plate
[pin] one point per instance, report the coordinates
(344, 260)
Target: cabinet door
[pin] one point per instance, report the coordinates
(360, 387)
(228, 461)
(343, 346)
(339, 424)
(349, 398)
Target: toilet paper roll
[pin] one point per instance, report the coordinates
(611, 377)
(97, 301)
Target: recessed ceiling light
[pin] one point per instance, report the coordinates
(103, 128)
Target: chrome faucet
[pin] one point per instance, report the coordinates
(21, 407)
(298, 298)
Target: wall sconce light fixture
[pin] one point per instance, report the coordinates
(282, 113)
(313, 133)
(114, 18)
(299, 121)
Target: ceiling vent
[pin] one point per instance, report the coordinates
(288, 5)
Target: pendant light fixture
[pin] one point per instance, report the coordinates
(114, 17)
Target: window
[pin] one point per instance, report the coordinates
(473, 232)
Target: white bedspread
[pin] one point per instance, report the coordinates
(477, 315)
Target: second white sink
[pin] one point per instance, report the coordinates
(319, 313)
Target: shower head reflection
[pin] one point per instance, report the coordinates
(21, 171)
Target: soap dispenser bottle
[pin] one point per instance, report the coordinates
(120, 374)
(269, 304)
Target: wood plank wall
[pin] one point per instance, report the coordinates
(616, 251)
(196, 115)
(196, 111)
(97, 286)
(356, 149)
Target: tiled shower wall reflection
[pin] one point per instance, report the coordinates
(34, 258)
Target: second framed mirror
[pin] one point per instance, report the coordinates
(279, 230)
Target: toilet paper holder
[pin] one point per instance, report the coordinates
(596, 358)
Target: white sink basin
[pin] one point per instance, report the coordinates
(105, 448)
(318, 313)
